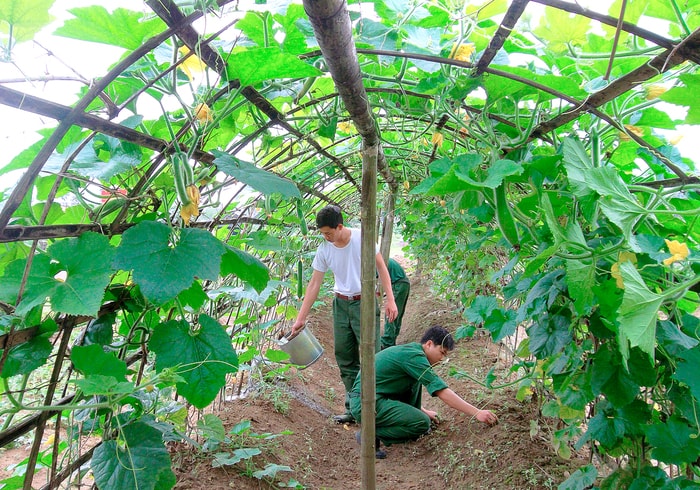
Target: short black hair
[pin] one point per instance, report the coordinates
(330, 216)
(440, 336)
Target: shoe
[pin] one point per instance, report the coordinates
(344, 418)
(380, 453)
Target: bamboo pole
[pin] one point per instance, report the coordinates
(367, 316)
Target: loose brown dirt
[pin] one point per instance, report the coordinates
(460, 454)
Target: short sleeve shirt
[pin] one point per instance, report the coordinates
(345, 262)
(402, 369)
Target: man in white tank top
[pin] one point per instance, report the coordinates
(341, 254)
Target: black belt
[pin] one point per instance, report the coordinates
(348, 298)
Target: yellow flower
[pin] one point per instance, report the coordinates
(437, 138)
(346, 126)
(653, 91)
(636, 130)
(191, 65)
(191, 208)
(462, 52)
(615, 269)
(406, 185)
(676, 139)
(679, 251)
(203, 113)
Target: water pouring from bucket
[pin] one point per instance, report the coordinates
(303, 348)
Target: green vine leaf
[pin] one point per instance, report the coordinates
(25, 17)
(618, 204)
(138, 460)
(686, 96)
(549, 336)
(246, 267)
(122, 27)
(261, 180)
(165, 264)
(638, 312)
(92, 359)
(580, 277)
(96, 384)
(687, 370)
(259, 64)
(26, 357)
(203, 357)
(674, 441)
(74, 274)
(581, 479)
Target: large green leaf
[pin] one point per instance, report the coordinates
(580, 277)
(686, 96)
(605, 429)
(27, 356)
(203, 357)
(25, 17)
(261, 180)
(259, 64)
(138, 460)
(617, 203)
(577, 163)
(92, 359)
(165, 264)
(104, 159)
(257, 26)
(549, 335)
(580, 479)
(688, 369)
(560, 29)
(86, 262)
(121, 27)
(40, 283)
(499, 170)
(608, 376)
(673, 340)
(638, 312)
(674, 441)
(246, 267)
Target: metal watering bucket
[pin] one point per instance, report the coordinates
(303, 348)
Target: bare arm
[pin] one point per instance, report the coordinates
(391, 310)
(455, 401)
(310, 297)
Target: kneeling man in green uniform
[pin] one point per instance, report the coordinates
(401, 372)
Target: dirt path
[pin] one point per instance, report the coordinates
(460, 454)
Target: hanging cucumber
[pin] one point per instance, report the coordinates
(302, 221)
(504, 217)
(181, 177)
(300, 279)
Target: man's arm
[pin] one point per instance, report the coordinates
(310, 297)
(455, 401)
(391, 310)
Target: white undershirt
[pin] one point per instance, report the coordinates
(345, 262)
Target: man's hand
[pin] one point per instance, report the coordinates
(486, 417)
(297, 327)
(433, 415)
(391, 310)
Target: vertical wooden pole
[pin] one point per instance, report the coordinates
(367, 316)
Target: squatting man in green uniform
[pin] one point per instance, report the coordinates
(341, 254)
(401, 373)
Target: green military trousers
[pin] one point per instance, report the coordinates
(401, 289)
(396, 421)
(346, 330)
